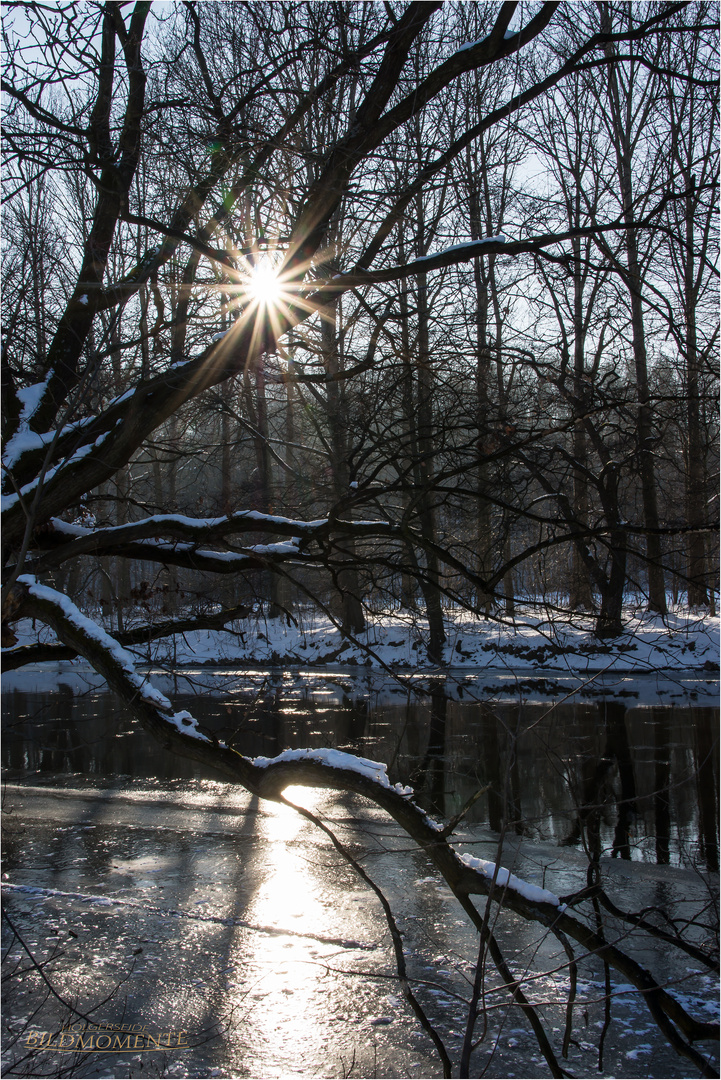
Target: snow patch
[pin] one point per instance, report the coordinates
(644, 1048)
(499, 239)
(337, 759)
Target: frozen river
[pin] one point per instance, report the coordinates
(157, 899)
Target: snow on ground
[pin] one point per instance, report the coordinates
(656, 661)
(680, 641)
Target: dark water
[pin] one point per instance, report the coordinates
(636, 782)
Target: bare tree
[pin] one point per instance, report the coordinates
(692, 164)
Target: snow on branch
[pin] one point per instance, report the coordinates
(450, 256)
(57, 474)
(100, 644)
(507, 35)
(337, 759)
(455, 249)
(28, 398)
(191, 528)
(177, 539)
(504, 879)
(190, 557)
(489, 245)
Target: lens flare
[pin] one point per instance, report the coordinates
(264, 286)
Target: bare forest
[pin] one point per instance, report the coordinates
(365, 309)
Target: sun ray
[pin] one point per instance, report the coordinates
(268, 302)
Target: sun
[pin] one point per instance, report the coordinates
(264, 286)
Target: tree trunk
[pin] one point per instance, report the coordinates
(644, 421)
(346, 578)
(656, 586)
(580, 593)
(424, 412)
(264, 487)
(696, 554)
(484, 537)
(609, 622)
(409, 580)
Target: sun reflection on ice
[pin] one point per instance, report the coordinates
(289, 889)
(287, 981)
(308, 798)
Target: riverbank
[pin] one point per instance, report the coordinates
(532, 644)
